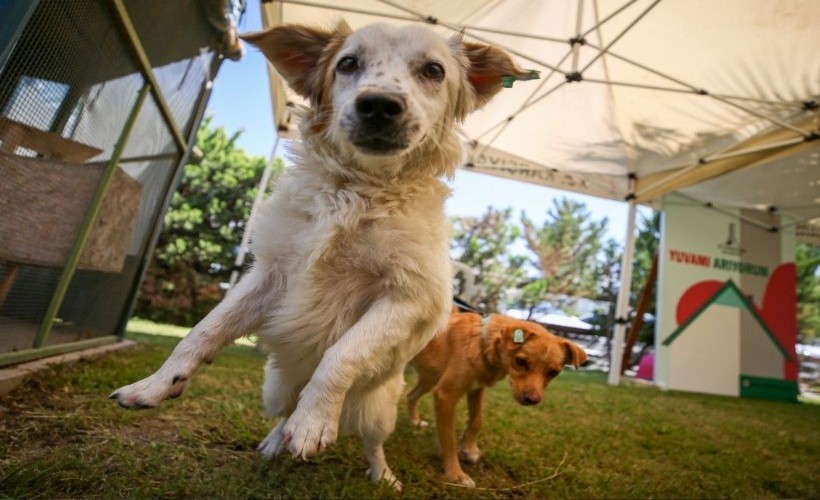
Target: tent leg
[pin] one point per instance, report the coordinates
(169, 189)
(622, 307)
(260, 195)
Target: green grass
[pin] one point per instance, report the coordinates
(61, 437)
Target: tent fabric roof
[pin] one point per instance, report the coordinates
(638, 98)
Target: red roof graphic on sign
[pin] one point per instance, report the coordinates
(778, 311)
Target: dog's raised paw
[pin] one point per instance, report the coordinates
(149, 392)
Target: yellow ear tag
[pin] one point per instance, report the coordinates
(518, 336)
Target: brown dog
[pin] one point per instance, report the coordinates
(473, 353)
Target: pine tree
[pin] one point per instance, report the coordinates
(565, 248)
(484, 244)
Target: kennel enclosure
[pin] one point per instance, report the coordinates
(100, 101)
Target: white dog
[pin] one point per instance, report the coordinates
(351, 277)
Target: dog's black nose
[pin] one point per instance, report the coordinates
(379, 110)
(531, 400)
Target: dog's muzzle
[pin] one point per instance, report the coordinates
(380, 118)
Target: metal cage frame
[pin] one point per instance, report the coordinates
(184, 145)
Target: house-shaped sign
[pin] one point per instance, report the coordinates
(726, 348)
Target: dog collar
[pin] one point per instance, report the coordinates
(485, 321)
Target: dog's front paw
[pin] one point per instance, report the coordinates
(151, 391)
(307, 433)
(420, 423)
(271, 446)
(385, 475)
(470, 455)
(461, 479)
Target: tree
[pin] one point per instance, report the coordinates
(565, 249)
(202, 230)
(608, 275)
(484, 245)
(647, 242)
(807, 259)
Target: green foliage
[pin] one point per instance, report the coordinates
(807, 258)
(647, 242)
(565, 248)
(608, 274)
(484, 245)
(533, 293)
(203, 228)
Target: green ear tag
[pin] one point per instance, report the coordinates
(508, 80)
(518, 336)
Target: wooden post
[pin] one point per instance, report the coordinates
(643, 305)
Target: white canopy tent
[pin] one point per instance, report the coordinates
(717, 101)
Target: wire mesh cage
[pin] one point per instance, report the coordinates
(99, 100)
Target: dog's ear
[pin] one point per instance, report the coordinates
(575, 356)
(299, 53)
(488, 65)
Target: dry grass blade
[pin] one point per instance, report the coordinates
(555, 474)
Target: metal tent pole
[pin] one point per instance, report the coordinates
(140, 57)
(620, 35)
(622, 307)
(260, 194)
(168, 196)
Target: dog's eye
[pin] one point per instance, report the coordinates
(521, 363)
(433, 71)
(347, 64)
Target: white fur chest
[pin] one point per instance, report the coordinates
(341, 249)
(299, 223)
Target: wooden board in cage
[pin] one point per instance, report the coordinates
(43, 203)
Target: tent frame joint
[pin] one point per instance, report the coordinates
(575, 76)
(577, 40)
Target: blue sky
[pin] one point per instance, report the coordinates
(241, 101)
